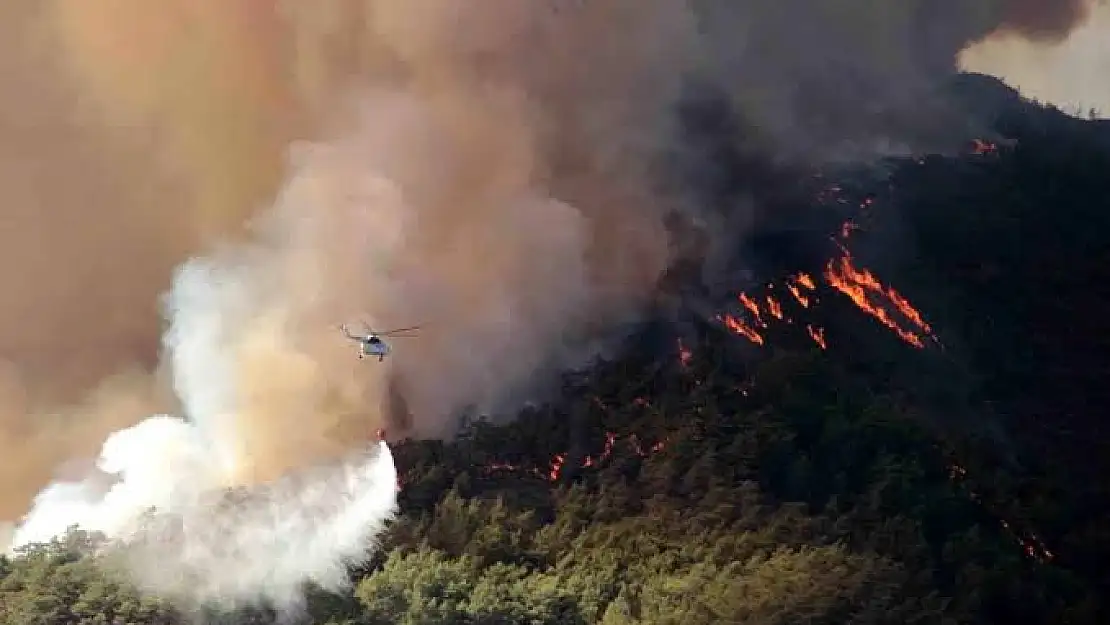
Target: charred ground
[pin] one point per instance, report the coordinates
(796, 446)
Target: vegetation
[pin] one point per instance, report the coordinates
(867, 483)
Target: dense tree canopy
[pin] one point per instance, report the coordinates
(864, 483)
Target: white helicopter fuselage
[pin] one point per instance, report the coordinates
(375, 347)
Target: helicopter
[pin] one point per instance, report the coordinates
(371, 342)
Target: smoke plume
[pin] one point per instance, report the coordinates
(500, 175)
(101, 201)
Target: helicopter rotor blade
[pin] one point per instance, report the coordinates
(398, 331)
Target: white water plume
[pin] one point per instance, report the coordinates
(168, 492)
(186, 540)
(240, 545)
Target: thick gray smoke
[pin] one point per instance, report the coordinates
(827, 79)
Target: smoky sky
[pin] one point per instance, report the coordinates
(134, 134)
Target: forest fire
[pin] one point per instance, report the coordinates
(784, 302)
(861, 286)
(771, 308)
(1030, 543)
(754, 309)
(840, 273)
(847, 228)
(883, 303)
(555, 467)
(741, 328)
(801, 299)
(774, 307)
(818, 336)
(981, 146)
(685, 355)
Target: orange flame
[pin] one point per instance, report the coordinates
(685, 355)
(555, 467)
(741, 328)
(818, 336)
(774, 308)
(859, 285)
(980, 146)
(752, 307)
(801, 299)
(1029, 542)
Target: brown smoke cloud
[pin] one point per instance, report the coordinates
(1045, 21)
(101, 200)
(517, 145)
